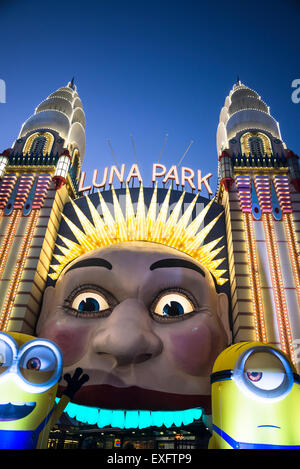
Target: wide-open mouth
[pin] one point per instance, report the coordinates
(132, 418)
(15, 410)
(132, 398)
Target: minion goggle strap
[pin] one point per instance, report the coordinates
(262, 373)
(35, 367)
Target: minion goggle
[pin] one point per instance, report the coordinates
(35, 367)
(262, 373)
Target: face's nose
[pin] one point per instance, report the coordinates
(127, 335)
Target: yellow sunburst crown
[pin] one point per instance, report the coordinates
(172, 231)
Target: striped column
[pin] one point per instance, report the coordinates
(244, 186)
(18, 270)
(8, 238)
(40, 190)
(24, 187)
(263, 190)
(282, 187)
(7, 184)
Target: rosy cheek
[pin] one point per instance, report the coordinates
(192, 350)
(72, 341)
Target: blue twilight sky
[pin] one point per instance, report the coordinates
(148, 68)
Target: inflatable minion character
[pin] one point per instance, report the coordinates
(30, 369)
(255, 399)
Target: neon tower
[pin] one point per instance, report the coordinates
(38, 175)
(259, 185)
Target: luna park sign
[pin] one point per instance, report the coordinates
(181, 177)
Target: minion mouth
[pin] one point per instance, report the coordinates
(15, 411)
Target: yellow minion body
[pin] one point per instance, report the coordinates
(255, 398)
(29, 372)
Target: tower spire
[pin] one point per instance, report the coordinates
(71, 84)
(243, 110)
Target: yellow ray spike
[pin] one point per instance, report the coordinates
(181, 224)
(54, 275)
(108, 218)
(119, 219)
(130, 217)
(56, 267)
(172, 220)
(209, 256)
(59, 258)
(195, 224)
(151, 215)
(161, 219)
(200, 237)
(64, 250)
(220, 271)
(206, 247)
(140, 216)
(187, 214)
(89, 229)
(98, 224)
(70, 244)
(79, 235)
(220, 280)
(215, 264)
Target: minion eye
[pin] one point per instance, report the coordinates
(173, 305)
(6, 356)
(38, 364)
(266, 380)
(265, 371)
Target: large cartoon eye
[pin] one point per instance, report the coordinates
(173, 305)
(265, 371)
(6, 356)
(38, 364)
(89, 302)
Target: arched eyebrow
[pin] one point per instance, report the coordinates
(163, 263)
(94, 262)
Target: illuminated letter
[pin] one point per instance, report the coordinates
(172, 174)
(134, 173)
(204, 180)
(189, 179)
(104, 180)
(154, 172)
(120, 176)
(82, 189)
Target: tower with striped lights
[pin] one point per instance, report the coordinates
(259, 187)
(38, 175)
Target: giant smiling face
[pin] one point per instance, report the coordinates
(143, 320)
